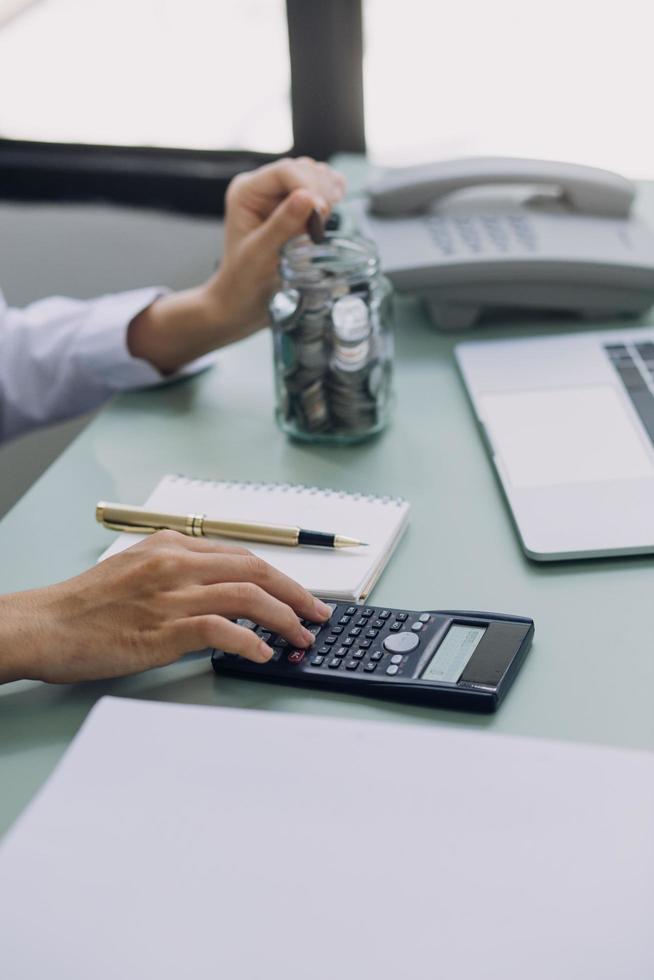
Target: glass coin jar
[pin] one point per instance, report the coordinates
(332, 322)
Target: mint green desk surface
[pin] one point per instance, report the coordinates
(589, 676)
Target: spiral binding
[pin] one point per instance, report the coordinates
(368, 498)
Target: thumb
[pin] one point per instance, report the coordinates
(288, 219)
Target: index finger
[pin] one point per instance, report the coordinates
(211, 569)
(275, 181)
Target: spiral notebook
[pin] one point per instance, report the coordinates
(344, 574)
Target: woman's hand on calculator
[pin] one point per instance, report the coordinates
(147, 607)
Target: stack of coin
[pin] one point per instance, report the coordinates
(331, 357)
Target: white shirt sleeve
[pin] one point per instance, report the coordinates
(61, 357)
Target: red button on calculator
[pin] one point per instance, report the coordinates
(296, 656)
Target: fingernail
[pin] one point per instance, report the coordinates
(266, 651)
(320, 203)
(323, 611)
(308, 636)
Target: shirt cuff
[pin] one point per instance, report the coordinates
(104, 343)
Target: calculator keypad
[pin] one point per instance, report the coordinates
(356, 639)
(384, 652)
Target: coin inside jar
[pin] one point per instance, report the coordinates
(351, 358)
(330, 341)
(284, 306)
(350, 319)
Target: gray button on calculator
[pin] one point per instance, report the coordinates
(397, 658)
(393, 669)
(401, 642)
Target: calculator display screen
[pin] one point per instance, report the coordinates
(453, 654)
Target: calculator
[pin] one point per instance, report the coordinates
(451, 659)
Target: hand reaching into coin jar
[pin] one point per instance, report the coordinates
(332, 325)
(264, 208)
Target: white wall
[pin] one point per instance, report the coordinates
(559, 79)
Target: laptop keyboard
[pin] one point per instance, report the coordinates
(634, 365)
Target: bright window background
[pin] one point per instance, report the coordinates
(202, 74)
(558, 79)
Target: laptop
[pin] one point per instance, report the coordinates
(569, 423)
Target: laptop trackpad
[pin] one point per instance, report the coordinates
(551, 436)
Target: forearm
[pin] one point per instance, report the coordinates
(183, 326)
(20, 637)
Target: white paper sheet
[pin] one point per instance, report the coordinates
(177, 841)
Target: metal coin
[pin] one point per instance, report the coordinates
(338, 288)
(312, 355)
(299, 379)
(350, 319)
(314, 405)
(351, 358)
(316, 297)
(316, 319)
(316, 227)
(284, 306)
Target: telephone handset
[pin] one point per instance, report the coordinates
(491, 232)
(586, 189)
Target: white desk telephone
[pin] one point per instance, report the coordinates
(489, 233)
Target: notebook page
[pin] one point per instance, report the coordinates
(345, 573)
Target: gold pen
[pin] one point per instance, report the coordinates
(139, 520)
